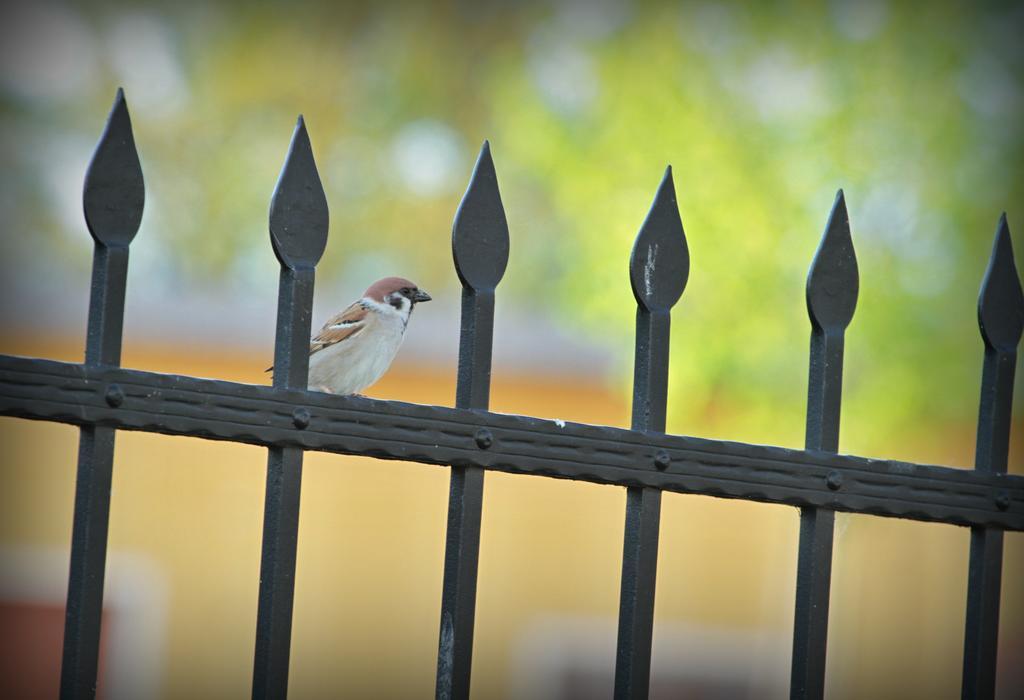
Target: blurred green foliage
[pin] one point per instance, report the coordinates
(763, 109)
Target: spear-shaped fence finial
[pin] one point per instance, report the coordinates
(298, 208)
(659, 265)
(833, 281)
(114, 191)
(1001, 302)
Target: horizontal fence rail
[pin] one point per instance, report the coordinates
(101, 397)
(259, 415)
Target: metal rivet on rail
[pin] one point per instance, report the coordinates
(1003, 500)
(662, 460)
(834, 480)
(484, 439)
(300, 418)
(114, 396)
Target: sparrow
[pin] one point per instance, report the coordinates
(356, 346)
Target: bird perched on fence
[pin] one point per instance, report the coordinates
(356, 346)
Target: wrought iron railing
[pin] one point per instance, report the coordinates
(101, 397)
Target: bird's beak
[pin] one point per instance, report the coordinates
(420, 295)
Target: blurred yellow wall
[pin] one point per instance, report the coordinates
(371, 545)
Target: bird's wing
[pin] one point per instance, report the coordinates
(339, 327)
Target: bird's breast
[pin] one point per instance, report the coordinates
(352, 365)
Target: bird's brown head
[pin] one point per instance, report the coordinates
(396, 291)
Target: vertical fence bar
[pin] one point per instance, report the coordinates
(480, 246)
(659, 267)
(113, 199)
(1001, 318)
(832, 287)
(298, 232)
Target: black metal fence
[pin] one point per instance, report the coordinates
(101, 397)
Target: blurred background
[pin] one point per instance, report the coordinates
(763, 110)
